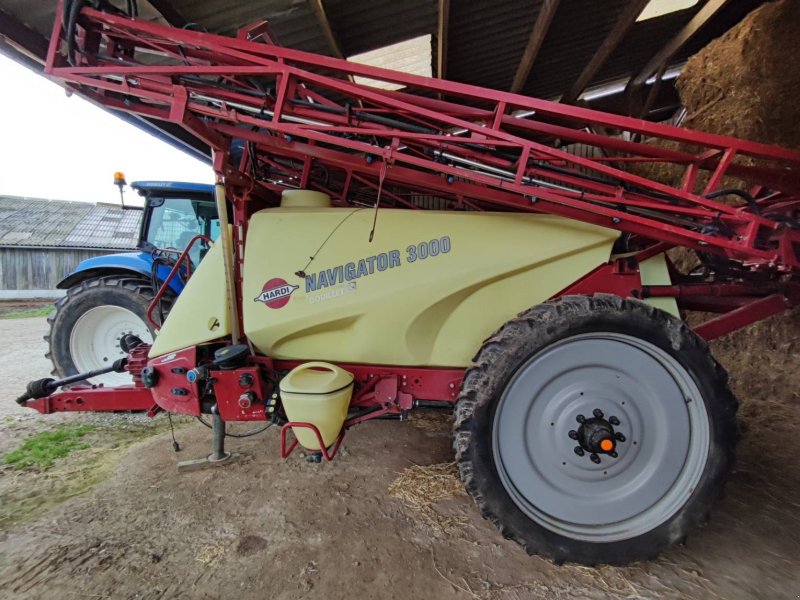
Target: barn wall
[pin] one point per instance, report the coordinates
(39, 269)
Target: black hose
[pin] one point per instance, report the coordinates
(751, 202)
(71, 12)
(239, 435)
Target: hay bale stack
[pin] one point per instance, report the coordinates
(746, 84)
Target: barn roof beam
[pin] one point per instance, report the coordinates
(441, 39)
(538, 33)
(325, 24)
(687, 32)
(622, 26)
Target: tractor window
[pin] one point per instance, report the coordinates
(175, 221)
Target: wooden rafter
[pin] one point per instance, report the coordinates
(538, 33)
(621, 27)
(703, 16)
(322, 19)
(441, 39)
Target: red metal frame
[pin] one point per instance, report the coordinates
(444, 145)
(285, 452)
(184, 257)
(470, 147)
(95, 399)
(439, 384)
(753, 311)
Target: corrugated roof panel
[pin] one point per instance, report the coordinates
(363, 25)
(486, 40)
(60, 223)
(570, 44)
(226, 16)
(36, 15)
(299, 29)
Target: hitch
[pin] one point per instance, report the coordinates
(40, 395)
(41, 388)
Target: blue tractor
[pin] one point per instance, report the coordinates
(108, 296)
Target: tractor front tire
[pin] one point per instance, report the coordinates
(595, 430)
(89, 321)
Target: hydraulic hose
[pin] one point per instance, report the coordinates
(751, 202)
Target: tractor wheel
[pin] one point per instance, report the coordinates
(90, 320)
(595, 430)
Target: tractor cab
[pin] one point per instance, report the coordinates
(174, 213)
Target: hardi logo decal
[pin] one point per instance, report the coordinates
(276, 293)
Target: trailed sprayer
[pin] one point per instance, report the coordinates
(442, 244)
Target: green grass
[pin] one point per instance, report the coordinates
(41, 450)
(26, 493)
(28, 313)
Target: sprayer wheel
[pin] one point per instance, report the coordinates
(595, 430)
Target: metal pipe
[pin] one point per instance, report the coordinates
(711, 289)
(255, 111)
(502, 172)
(433, 404)
(226, 240)
(217, 438)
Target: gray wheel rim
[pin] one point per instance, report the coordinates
(660, 412)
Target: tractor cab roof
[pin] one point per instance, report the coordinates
(146, 188)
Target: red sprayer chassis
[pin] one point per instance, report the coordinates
(279, 119)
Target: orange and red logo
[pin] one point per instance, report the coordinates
(276, 293)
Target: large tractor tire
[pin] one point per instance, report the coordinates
(595, 430)
(90, 320)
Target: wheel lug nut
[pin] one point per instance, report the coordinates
(619, 436)
(613, 420)
(579, 451)
(580, 418)
(613, 454)
(573, 435)
(594, 458)
(597, 413)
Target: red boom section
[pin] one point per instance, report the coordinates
(310, 121)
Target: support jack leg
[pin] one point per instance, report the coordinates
(218, 456)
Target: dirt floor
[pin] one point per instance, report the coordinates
(268, 528)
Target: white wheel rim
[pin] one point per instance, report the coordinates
(94, 341)
(659, 463)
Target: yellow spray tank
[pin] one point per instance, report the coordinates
(427, 291)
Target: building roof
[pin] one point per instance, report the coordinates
(34, 222)
(549, 46)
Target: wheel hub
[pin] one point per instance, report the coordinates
(95, 340)
(596, 436)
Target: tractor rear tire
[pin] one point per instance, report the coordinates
(89, 321)
(595, 430)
